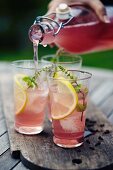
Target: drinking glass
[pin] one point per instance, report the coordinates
(30, 96)
(68, 101)
(67, 60)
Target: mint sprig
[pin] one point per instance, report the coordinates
(67, 73)
(78, 87)
(30, 81)
(81, 107)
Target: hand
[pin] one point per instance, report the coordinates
(96, 5)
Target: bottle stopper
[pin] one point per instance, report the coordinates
(63, 11)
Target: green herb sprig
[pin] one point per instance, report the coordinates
(67, 73)
(31, 81)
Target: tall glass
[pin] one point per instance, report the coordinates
(67, 60)
(30, 96)
(68, 100)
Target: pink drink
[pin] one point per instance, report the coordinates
(31, 119)
(94, 38)
(30, 96)
(68, 100)
(69, 132)
(85, 33)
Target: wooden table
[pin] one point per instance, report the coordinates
(101, 94)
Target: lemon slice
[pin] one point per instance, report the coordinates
(64, 100)
(19, 93)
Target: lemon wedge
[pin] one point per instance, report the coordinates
(20, 94)
(64, 100)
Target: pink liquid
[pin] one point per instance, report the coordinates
(69, 131)
(85, 34)
(31, 119)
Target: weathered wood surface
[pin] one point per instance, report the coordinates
(103, 151)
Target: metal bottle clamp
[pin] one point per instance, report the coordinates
(39, 20)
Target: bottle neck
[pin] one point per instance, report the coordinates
(45, 28)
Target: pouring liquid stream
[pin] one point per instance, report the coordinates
(35, 57)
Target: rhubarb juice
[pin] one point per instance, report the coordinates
(68, 100)
(30, 96)
(69, 131)
(31, 118)
(85, 33)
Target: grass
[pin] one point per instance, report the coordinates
(100, 59)
(97, 59)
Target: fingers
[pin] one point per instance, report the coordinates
(99, 9)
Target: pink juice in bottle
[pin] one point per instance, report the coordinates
(74, 28)
(85, 33)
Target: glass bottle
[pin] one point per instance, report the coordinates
(75, 28)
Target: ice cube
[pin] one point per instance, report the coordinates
(72, 123)
(69, 124)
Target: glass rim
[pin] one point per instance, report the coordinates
(78, 57)
(16, 62)
(89, 75)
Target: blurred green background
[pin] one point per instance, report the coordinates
(15, 19)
